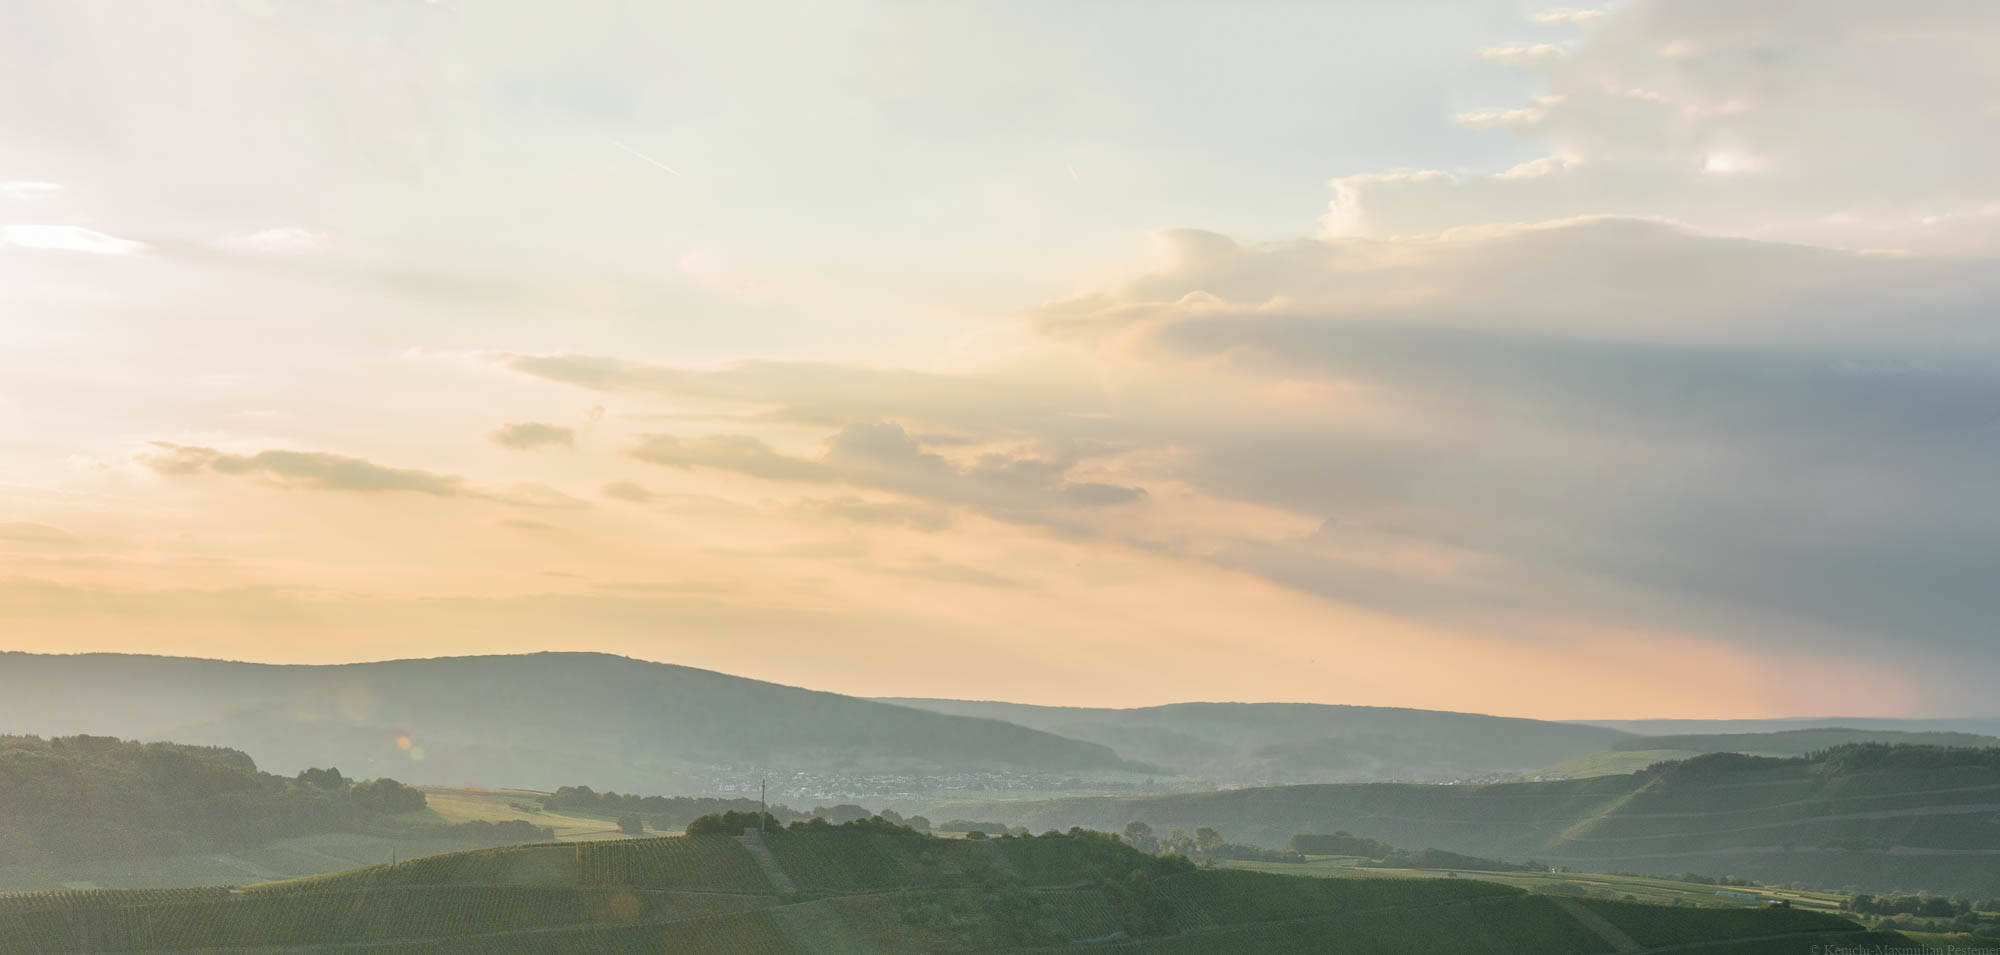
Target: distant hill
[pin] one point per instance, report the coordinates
(536, 721)
(1984, 726)
(1870, 817)
(1267, 743)
(1799, 742)
(876, 889)
(1636, 753)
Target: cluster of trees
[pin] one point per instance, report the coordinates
(1339, 843)
(478, 834)
(93, 796)
(638, 813)
(733, 822)
(983, 828)
(1924, 906)
(1902, 912)
(1204, 842)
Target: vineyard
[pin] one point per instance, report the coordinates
(835, 859)
(707, 863)
(374, 914)
(861, 888)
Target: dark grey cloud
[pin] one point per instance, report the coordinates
(1616, 421)
(528, 435)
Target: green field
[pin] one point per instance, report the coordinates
(1648, 889)
(873, 888)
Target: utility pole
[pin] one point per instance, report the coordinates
(763, 807)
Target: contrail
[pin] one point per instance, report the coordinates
(641, 155)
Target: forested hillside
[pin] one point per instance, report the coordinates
(84, 797)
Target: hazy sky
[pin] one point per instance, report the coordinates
(1624, 362)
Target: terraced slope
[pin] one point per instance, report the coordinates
(866, 888)
(1876, 818)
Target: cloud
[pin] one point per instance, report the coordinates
(628, 491)
(66, 238)
(1735, 121)
(1522, 54)
(950, 573)
(28, 532)
(301, 469)
(891, 513)
(30, 191)
(880, 455)
(283, 240)
(1557, 421)
(986, 404)
(1569, 15)
(528, 435)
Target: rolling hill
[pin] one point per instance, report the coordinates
(1636, 753)
(94, 809)
(535, 721)
(1270, 743)
(874, 888)
(1870, 817)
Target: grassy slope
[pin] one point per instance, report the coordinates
(1923, 819)
(881, 892)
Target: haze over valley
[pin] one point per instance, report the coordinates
(495, 477)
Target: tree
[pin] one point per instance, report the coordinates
(631, 825)
(1206, 839)
(731, 823)
(1140, 836)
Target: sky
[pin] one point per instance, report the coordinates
(1594, 362)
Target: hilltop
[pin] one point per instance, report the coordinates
(1870, 817)
(874, 888)
(537, 720)
(1266, 743)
